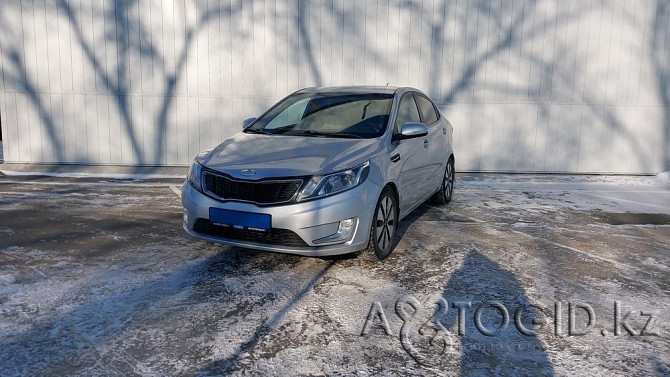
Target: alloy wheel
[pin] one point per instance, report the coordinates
(448, 184)
(385, 223)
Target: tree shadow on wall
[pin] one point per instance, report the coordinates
(457, 67)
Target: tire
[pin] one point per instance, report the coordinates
(384, 225)
(446, 192)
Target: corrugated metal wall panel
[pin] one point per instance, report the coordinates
(575, 86)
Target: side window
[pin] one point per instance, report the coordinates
(428, 113)
(407, 112)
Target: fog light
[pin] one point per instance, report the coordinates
(347, 225)
(185, 217)
(344, 232)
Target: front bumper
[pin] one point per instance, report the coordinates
(311, 220)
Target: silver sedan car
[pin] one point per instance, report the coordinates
(325, 171)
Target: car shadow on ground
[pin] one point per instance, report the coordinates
(406, 223)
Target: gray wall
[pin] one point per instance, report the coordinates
(570, 85)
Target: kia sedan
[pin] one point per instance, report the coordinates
(325, 171)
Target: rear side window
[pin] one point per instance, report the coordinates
(428, 112)
(407, 112)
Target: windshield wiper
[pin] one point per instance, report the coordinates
(256, 131)
(306, 133)
(345, 135)
(325, 134)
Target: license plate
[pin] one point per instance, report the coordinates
(240, 220)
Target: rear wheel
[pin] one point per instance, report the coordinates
(384, 224)
(447, 189)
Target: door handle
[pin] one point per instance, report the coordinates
(395, 157)
(425, 143)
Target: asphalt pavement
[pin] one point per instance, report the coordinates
(519, 275)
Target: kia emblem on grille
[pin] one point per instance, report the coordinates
(247, 172)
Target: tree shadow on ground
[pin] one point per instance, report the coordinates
(98, 333)
(494, 326)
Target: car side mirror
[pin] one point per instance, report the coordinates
(247, 122)
(411, 130)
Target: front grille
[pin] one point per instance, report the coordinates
(274, 236)
(261, 192)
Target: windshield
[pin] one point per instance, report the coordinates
(327, 115)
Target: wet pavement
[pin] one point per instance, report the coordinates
(519, 275)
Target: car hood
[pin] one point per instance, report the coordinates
(283, 156)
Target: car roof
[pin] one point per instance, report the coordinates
(352, 89)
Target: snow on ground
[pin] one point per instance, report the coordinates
(12, 173)
(604, 193)
(100, 279)
(663, 179)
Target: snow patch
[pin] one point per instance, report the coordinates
(663, 179)
(491, 231)
(11, 173)
(62, 264)
(13, 249)
(654, 263)
(7, 278)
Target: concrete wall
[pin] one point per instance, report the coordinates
(570, 85)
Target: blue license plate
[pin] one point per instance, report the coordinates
(240, 220)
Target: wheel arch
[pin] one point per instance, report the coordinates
(394, 188)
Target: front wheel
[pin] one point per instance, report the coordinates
(447, 189)
(384, 224)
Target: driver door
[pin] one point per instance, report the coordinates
(411, 157)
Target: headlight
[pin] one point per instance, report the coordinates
(326, 185)
(195, 176)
